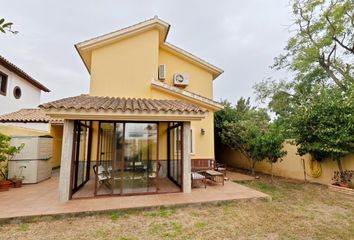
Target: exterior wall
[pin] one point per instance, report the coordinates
(30, 97)
(290, 167)
(200, 80)
(125, 68)
(36, 126)
(56, 131)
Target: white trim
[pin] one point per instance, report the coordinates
(200, 100)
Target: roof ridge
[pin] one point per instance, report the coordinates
(12, 67)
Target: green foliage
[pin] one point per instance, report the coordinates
(6, 26)
(6, 152)
(323, 38)
(323, 124)
(248, 130)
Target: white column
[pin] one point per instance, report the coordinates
(66, 156)
(187, 187)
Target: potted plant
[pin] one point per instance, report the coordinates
(342, 178)
(6, 153)
(16, 181)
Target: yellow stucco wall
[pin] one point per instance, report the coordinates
(126, 68)
(290, 167)
(13, 131)
(200, 80)
(56, 131)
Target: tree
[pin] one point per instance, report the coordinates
(323, 125)
(6, 26)
(237, 126)
(323, 41)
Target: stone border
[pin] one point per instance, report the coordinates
(348, 191)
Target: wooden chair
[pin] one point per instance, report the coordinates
(198, 177)
(103, 176)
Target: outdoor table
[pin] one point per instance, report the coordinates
(215, 176)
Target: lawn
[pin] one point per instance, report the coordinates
(298, 211)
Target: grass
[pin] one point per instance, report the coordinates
(298, 211)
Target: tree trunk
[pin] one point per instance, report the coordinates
(339, 162)
(271, 171)
(253, 167)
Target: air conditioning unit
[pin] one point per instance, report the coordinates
(162, 72)
(180, 79)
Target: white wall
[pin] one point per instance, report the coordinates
(30, 97)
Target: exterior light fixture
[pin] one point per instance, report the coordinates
(202, 131)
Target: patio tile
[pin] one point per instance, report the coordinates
(42, 199)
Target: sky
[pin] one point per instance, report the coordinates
(241, 37)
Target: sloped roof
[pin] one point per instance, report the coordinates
(97, 103)
(12, 67)
(84, 47)
(29, 115)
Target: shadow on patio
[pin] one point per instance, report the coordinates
(42, 199)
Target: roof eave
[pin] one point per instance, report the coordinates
(216, 71)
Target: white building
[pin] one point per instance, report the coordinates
(18, 90)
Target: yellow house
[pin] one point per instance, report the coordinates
(148, 113)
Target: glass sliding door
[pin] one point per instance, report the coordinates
(174, 152)
(128, 159)
(81, 160)
(104, 166)
(140, 158)
(118, 165)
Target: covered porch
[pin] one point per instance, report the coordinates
(122, 147)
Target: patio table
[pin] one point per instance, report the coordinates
(215, 176)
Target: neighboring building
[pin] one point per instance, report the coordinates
(148, 112)
(17, 89)
(19, 116)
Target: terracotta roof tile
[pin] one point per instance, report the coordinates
(29, 115)
(12, 67)
(86, 102)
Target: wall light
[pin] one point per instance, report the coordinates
(202, 131)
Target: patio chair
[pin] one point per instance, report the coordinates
(103, 176)
(220, 168)
(198, 177)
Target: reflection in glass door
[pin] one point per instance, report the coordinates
(174, 151)
(140, 158)
(81, 160)
(128, 162)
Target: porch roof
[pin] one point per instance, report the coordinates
(29, 115)
(115, 108)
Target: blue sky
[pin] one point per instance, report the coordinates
(241, 37)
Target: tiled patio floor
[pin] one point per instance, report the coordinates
(42, 199)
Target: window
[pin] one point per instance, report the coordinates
(3, 84)
(17, 92)
(192, 139)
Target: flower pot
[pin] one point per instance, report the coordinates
(5, 185)
(16, 183)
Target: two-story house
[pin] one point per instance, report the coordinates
(148, 113)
